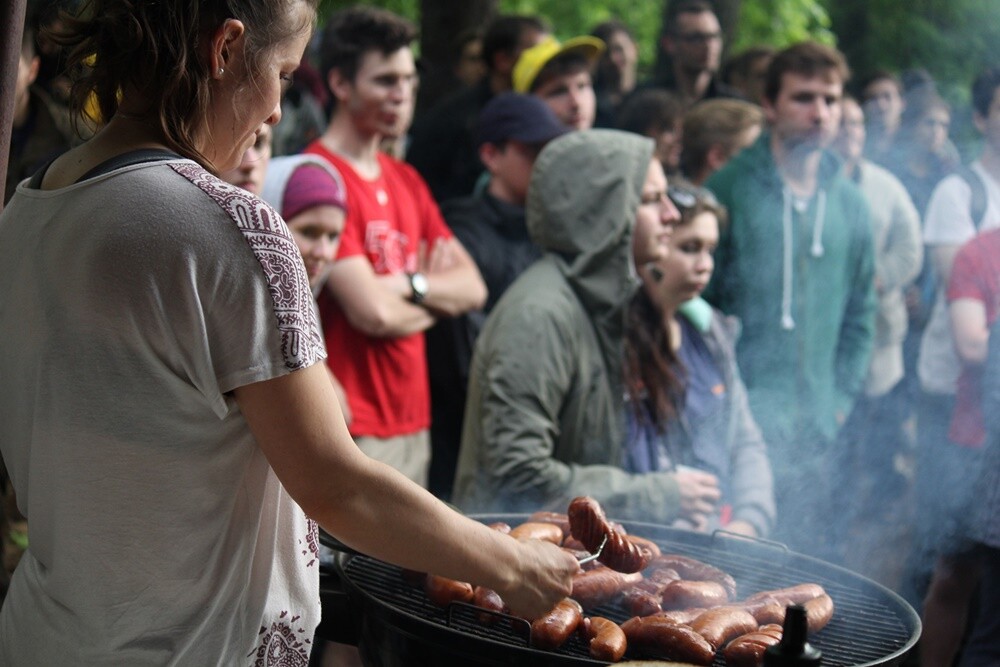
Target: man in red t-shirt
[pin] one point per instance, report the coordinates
(399, 268)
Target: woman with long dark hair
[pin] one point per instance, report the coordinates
(687, 406)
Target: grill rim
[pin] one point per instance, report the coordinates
(719, 545)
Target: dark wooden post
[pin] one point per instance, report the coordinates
(12, 20)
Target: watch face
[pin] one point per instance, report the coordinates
(418, 282)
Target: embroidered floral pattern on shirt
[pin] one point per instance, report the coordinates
(272, 244)
(283, 645)
(310, 544)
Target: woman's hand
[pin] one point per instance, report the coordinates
(700, 495)
(545, 578)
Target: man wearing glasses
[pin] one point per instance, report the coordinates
(692, 42)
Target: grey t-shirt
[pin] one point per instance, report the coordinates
(131, 305)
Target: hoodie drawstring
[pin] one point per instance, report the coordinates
(817, 245)
(817, 251)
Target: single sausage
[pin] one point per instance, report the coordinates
(683, 594)
(588, 524)
(490, 600)
(593, 588)
(640, 601)
(658, 637)
(443, 591)
(721, 624)
(766, 610)
(819, 611)
(682, 616)
(649, 545)
(748, 650)
(553, 629)
(791, 595)
(645, 598)
(663, 575)
(605, 638)
(696, 570)
(556, 518)
(532, 530)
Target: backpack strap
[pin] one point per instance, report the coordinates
(117, 162)
(977, 205)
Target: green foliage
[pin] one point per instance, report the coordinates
(782, 22)
(570, 19)
(408, 8)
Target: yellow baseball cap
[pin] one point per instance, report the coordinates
(531, 61)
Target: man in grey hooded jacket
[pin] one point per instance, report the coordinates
(544, 417)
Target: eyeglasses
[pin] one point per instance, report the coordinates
(699, 37)
(686, 197)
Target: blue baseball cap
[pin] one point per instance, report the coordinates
(517, 117)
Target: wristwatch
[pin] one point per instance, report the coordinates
(418, 287)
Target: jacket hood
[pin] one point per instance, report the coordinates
(585, 189)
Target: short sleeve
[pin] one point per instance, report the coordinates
(947, 220)
(964, 282)
(250, 314)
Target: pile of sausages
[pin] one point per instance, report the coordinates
(681, 609)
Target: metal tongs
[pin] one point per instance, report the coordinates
(596, 554)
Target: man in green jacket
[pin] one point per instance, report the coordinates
(544, 418)
(796, 265)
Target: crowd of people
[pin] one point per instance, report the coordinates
(254, 282)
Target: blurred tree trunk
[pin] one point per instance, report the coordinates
(12, 13)
(441, 24)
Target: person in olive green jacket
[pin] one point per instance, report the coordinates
(544, 420)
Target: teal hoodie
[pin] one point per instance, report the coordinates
(802, 284)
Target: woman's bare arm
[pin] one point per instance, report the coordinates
(374, 509)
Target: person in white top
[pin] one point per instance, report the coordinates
(168, 423)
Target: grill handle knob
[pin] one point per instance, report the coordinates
(793, 650)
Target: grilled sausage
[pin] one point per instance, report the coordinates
(766, 610)
(721, 624)
(605, 638)
(791, 595)
(556, 518)
(819, 611)
(658, 637)
(599, 586)
(683, 594)
(588, 524)
(553, 629)
(443, 591)
(547, 532)
(649, 545)
(682, 616)
(490, 600)
(696, 570)
(748, 650)
(640, 601)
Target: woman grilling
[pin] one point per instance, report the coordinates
(167, 421)
(687, 406)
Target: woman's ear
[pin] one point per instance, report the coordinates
(225, 40)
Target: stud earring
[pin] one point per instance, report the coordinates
(221, 71)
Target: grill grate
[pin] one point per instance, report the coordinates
(870, 626)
